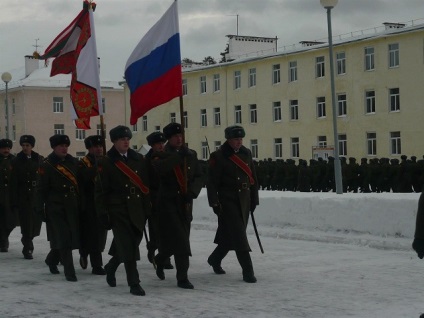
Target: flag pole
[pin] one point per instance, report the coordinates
(183, 133)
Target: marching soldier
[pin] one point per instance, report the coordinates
(93, 234)
(59, 196)
(23, 185)
(232, 192)
(8, 219)
(175, 197)
(123, 204)
(156, 141)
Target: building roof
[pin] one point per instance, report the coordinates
(41, 78)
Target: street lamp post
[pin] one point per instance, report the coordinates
(7, 77)
(330, 4)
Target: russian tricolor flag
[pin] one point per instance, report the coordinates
(153, 71)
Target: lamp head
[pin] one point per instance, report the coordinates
(329, 3)
(6, 77)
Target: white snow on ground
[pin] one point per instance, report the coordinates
(326, 255)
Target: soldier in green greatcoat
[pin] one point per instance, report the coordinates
(123, 204)
(59, 196)
(24, 181)
(8, 219)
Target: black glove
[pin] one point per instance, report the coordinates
(217, 209)
(418, 246)
(105, 221)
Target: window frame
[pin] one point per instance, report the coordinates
(320, 66)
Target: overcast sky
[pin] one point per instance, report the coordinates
(204, 24)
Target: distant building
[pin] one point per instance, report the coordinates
(283, 99)
(40, 105)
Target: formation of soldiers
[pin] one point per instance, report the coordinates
(373, 175)
(123, 191)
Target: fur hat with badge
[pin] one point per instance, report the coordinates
(120, 132)
(92, 141)
(234, 132)
(155, 137)
(172, 129)
(27, 139)
(6, 143)
(57, 140)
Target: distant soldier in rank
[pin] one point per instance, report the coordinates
(24, 181)
(8, 219)
(93, 234)
(123, 204)
(59, 195)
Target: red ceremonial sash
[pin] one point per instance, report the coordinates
(180, 178)
(135, 178)
(243, 166)
(67, 173)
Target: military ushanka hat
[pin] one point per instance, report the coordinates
(57, 140)
(6, 143)
(234, 132)
(155, 137)
(120, 132)
(92, 141)
(172, 129)
(27, 139)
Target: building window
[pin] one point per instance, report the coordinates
(202, 84)
(79, 134)
(292, 71)
(370, 102)
(278, 148)
(217, 145)
(237, 79)
(237, 114)
(319, 66)
(341, 105)
(216, 83)
(276, 74)
(217, 116)
(104, 105)
(395, 143)
(369, 58)
(172, 118)
(254, 148)
(59, 129)
(322, 141)
(321, 107)
(394, 55)
(341, 63)
(185, 119)
(99, 130)
(13, 133)
(276, 111)
(252, 77)
(371, 143)
(253, 114)
(79, 155)
(394, 99)
(294, 147)
(184, 86)
(144, 123)
(57, 104)
(203, 118)
(135, 147)
(294, 109)
(135, 128)
(342, 145)
(205, 152)
(157, 128)
(13, 106)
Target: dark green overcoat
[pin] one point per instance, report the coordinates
(8, 219)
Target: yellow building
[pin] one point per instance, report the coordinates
(283, 99)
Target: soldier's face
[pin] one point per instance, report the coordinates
(176, 141)
(122, 144)
(158, 147)
(96, 151)
(235, 143)
(26, 148)
(5, 151)
(61, 150)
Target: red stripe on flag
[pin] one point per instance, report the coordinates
(155, 93)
